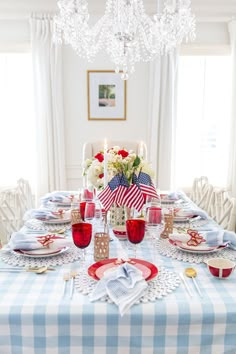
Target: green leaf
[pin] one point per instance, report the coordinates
(136, 161)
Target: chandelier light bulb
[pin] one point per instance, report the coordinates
(125, 31)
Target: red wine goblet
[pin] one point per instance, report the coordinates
(82, 234)
(135, 229)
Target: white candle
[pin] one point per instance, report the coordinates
(141, 149)
(105, 164)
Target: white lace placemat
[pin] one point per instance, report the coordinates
(166, 249)
(40, 225)
(71, 255)
(165, 283)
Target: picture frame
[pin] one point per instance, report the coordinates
(106, 95)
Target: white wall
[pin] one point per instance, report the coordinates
(78, 129)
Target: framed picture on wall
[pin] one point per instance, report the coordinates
(106, 95)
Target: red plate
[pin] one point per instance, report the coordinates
(93, 269)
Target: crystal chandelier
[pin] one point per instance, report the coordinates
(125, 31)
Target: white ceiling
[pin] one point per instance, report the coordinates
(205, 10)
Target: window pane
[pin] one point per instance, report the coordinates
(17, 123)
(203, 119)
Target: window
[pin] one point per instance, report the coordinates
(17, 124)
(203, 119)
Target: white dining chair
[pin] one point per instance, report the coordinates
(26, 197)
(9, 213)
(14, 202)
(199, 190)
(227, 212)
(216, 203)
(90, 148)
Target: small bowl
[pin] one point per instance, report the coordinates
(120, 232)
(220, 267)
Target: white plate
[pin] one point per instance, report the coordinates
(44, 252)
(61, 204)
(168, 201)
(201, 248)
(56, 221)
(184, 218)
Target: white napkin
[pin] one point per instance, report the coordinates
(45, 214)
(173, 196)
(213, 238)
(59, 196)
(180, 237)
(192, 212)
(22, 241)
(125, 285)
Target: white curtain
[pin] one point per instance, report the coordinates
(232, 157)
(162, 119)
(47, 72)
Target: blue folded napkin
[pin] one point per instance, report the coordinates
(221, 237)
(125, 285)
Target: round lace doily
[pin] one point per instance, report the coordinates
(72, 255)
(166, 249)
(165, 283)
(40, 225)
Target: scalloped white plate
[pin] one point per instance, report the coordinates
(44, 252)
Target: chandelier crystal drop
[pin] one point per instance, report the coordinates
(125, 31)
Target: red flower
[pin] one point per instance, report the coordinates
(101, 175)
(123, 153)
(99, 157)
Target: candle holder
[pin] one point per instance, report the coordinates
(168, 221)
(76, 217)
(101, 246)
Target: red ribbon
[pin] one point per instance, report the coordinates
(122, 261)
(46, 240)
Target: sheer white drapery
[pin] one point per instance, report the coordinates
(47, 70)
(232, 157)
(162, 119)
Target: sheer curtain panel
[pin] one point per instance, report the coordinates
(162, 116)
(47, 71)
(232, 157)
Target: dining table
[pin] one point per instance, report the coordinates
(40, 315)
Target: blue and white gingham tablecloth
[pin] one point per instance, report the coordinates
(36, 319)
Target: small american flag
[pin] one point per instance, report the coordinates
(107, 196)
(121, 190)
(134, 196)
(146, 185)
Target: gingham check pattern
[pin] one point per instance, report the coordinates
(36, 319)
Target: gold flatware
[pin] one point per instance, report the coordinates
(58, 231)
(66, 278)
(36, 270)
(192, 273)
(72, 276)
(185, 284)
